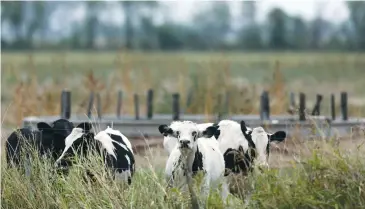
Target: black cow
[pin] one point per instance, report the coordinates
(47, 139)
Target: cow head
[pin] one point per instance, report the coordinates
(259, 143)
(187, 133)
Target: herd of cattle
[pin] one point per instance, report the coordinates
(218, 149)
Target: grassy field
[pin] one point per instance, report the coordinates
(318, 174)
(31, 82)
(305, 174)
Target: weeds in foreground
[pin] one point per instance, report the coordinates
(329, 178)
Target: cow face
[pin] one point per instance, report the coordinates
(259, 142)
(187, 133)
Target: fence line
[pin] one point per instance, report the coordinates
(264, 105)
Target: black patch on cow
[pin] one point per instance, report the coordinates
(17, 140)
(230, 161)
(211, 131)
(198, 162)
(217, 134)
(277, 136)
(86, 126)
(80, 147)
(249, 156)
(55, 142)
(165, 130)
(178, 163)
(121, 164)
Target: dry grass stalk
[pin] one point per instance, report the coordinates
(277, 90)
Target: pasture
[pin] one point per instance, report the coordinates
(305, 174)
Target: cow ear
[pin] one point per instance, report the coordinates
(86, 126)
(42, 126)
(209, 132)
(243, 126)
(277, 136)
(165, 130)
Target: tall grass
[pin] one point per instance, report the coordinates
(329, 177)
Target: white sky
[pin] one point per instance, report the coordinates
(333, 10)
(182, 10)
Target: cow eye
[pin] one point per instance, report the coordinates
(194, 133)
(178, 133)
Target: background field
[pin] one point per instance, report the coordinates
(32, 82)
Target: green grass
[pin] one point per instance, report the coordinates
(329, 178)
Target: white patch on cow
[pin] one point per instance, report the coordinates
(261, 140)
(170, 142)
(129, 161)
(231, 136)
(70, 139)
(124, 138)
(107, 143)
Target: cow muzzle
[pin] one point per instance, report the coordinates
(184, 143)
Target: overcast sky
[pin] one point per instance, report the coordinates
(182, 10)
(333, 10)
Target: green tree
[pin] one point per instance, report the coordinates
(278, 29)
(213, 24)
(13, 12)
(357, 18)
(299, 34)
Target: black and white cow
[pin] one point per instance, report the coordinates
(242, 146)
(116, 148)
(47, 139)
(232, 143)
(194, 152)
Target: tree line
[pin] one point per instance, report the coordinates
(29, 26)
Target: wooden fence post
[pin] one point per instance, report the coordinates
(333, 107)
(136, 106)
(265, 106)
(175, 106)
(98, 105)
(119, 104)
(66, 104)
(91, 104)
(226, 104)
(150, 104)
(219, 109)
(292, 99)
(344, 109)
(317, 106)
(302, 107)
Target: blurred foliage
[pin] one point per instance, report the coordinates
(28, 25)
